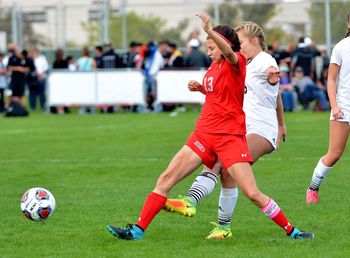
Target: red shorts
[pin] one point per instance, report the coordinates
(229, 148)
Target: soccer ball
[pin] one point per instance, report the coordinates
(38, 204)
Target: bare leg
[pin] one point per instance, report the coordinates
(338, 136)
(182, 165)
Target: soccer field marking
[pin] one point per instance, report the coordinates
(80, 161)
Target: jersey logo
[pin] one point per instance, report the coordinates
(244, 155)
(199, 146)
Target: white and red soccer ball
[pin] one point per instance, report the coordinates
(38, 204)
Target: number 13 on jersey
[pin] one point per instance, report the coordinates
(208, 84)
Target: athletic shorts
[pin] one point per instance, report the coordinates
(345, 118)
(229, 148)
(267, 132)
(17, 89)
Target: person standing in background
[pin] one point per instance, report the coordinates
(3, 84)
(18, 67)
(41, 69)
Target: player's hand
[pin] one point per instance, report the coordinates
(273, 75)
(205, 21)
(337, 113)
(195, 86)
(282, 134)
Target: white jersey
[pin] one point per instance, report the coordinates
(260, 100)
(341, 57)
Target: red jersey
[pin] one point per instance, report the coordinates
(224, 89)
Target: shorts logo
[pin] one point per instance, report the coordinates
(199, 146)
(244, 155)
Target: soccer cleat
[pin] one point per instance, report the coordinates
(312, 196)
(219, 232)
(297, 234)
(181, 206)
(130, 232)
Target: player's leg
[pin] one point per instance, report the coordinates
(227, 202)
(338, 136)
(202, 186)
(183, 164)
(243, 176)
(258, 146)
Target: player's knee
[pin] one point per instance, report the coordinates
(254, 196)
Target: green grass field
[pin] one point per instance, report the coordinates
(101, 167)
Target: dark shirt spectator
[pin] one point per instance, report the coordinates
(110, 59)
(196, 58)
(98, 56)
(60, 62)
(130, 58)
(176, 59)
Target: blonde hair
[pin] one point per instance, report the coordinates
(348, 22)
(253, 30)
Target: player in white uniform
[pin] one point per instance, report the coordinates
(264, 123)
(338, 87)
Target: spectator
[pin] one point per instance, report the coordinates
(41, 69)
(110, 59)
(309, 91)
(130, 58)
(3, 73)
(31, 79)
(84, 64)
(98, 56)
(195, 58)
(153, 62)
(60, 62)
(18, 66)
(176, 59)
(304, 56)
(286, 88)
(72, 65)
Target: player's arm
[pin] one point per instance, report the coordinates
(282, 129)
(273, 75)
(333, 72)
(219, 40)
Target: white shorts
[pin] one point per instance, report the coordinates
(267, 132)
(345, 118)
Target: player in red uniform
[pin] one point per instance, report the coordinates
(219, 133)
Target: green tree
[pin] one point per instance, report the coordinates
(338, 21)
(233, 12)
(139, 28)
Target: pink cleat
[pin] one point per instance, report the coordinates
(312, 196)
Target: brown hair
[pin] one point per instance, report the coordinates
(229, 33)
(253, 30)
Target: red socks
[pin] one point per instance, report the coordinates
(153, 204)
(274, 212)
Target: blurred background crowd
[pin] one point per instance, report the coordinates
(133, 35)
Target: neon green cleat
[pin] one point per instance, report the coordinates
(181, 206)
(219, 232)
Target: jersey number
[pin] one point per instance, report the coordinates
(208, 84)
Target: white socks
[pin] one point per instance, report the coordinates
(227, 203)
(320, 172)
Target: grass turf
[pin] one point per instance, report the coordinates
(101, 167)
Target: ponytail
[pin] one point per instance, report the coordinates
(348, 22)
